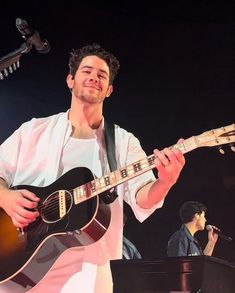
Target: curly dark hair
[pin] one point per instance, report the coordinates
(95, 49)
(189, 209)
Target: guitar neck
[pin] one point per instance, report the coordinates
(111, 180)
(214, 137)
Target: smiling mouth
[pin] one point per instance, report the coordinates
(92, 87)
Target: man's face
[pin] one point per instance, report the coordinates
(91, 81)
(201, 221)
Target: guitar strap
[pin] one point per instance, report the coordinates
(109, 137)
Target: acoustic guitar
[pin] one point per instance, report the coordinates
(72, 213)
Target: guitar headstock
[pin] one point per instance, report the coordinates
(217, 137)
(11, 62)
(8, 67)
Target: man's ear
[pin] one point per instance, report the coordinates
(70, 81)
(197, 215)
(109, 91)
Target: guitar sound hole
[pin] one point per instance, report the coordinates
(56, 206)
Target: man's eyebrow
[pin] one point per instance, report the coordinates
(86, 66)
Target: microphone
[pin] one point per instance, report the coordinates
(217, 231)
(32, 37)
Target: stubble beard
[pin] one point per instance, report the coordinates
(87, 98)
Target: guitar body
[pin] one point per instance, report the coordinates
(26, 256)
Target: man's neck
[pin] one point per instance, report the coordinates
(85, 120)
(191, 227)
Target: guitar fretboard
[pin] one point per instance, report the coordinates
(107, 182)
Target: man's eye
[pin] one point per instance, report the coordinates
(102, 76)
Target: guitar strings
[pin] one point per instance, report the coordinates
(52, 205)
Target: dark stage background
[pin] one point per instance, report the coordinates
(176, 80)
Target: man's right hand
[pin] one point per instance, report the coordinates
(20, 205)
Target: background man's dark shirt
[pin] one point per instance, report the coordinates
(182, 243)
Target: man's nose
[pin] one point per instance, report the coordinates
(93, 76)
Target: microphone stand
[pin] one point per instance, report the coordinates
(10, 62)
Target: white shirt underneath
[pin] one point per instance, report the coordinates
(83, 153)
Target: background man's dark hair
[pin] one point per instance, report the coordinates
(76, 57)
(189, 209)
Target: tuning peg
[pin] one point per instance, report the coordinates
(221, 151)
(10, 68)
(5, 71)
(232, 148)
